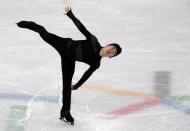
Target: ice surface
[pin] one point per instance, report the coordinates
(121, 94)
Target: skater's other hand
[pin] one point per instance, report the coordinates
(67, 8)
(73, 87)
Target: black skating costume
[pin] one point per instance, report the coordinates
(70, 50)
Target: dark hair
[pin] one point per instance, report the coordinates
(119, 49)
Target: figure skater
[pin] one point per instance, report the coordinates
(88, 51)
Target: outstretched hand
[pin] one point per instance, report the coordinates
(67, 8)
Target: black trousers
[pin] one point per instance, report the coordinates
(68, 65)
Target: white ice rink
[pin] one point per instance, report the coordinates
(146, 88)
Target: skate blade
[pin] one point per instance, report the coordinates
(63, 119)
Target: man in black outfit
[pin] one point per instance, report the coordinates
(88, 51)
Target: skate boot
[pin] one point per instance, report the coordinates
(30, 25)
(66, 117)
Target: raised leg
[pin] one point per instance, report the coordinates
(59, 43)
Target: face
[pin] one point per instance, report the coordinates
(110, 51)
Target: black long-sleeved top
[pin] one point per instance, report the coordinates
(86, 51)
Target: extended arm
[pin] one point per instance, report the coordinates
(85, 76)
(79, 25)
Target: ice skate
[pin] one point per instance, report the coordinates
(66, 117)
(30, 25)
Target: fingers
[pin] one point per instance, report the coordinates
(73, 87)
(67, 8)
